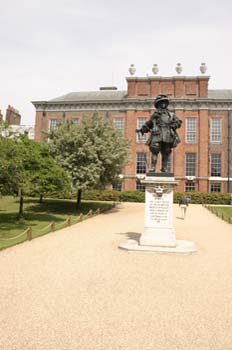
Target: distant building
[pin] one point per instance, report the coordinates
(203, 159)
(13, 119)
(12, 116)
(23, 130)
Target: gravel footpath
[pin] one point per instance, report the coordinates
(75, 290)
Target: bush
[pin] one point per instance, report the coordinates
(132, 196)
(204, 198)
(136, 196)
(139, 197)
(108, 195)
(104, 195)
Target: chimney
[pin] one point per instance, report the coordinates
(12, 116)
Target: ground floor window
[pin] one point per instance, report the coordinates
(215, 187)
(190, 187)
(139, 186)
(141, 163)
(117, 186)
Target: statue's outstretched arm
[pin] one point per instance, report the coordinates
(146, 127)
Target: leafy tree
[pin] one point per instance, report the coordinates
(93, 152)
(49, 177)
(26, 166)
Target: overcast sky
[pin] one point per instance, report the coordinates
(51, 47)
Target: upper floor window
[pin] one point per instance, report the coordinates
(119, 124)
(216, 164)
(52, 124)
(190, 164)
(140, 137)
(141, 163)
(190, 134)
(215, 130)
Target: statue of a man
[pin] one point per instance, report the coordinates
(162, 126)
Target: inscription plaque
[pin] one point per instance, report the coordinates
(158, 210)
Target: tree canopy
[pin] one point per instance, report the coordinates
(26, 166)
(93, 152)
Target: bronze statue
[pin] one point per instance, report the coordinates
(162, 126)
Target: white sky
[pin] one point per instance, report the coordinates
(51, 47)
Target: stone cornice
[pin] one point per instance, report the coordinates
(133, 104)
(173, 78)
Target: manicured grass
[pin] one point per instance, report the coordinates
(38, 216)
(226, 211)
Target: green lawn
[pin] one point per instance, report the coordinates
(38, 216)
(226, 211)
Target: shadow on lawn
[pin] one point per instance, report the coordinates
(64, 207)
(9, 221)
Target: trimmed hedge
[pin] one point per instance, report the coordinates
(136, 196)
(204, 198)
(101, 195)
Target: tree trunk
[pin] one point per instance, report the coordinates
(78, 198)
(20, 206)
(41, 198)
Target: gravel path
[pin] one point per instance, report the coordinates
(75, 290)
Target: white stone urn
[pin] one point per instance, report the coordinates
(179, 68)
(203, 68)
(155, 68)
(132, 69)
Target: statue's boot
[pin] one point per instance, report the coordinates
(165, 159)
(154, 162)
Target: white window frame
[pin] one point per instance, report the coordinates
(215, 184)
(141, 163)
(191, 130)
(215, 136)
(188, 164)
(119, 123)
(140, 187)
(76, 120)
(193, 184)
(141, 138)
(50, 123)
(217, 164)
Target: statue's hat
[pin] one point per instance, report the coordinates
(161, 98)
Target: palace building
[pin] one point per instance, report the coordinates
(201, 162)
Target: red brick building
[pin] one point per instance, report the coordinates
(203, 159)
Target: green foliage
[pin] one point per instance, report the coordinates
(93, 153)
(204, 198)
(224, 213)
(102, 195)
(27, 166)
(38, 216)
(49, 177)
(136, 196)
(108, 195)
(132, 196)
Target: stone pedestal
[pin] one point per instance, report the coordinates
(159, 234)
(158, 230)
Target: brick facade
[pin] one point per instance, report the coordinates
(189, 98)
(12, 116)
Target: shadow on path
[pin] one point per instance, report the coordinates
(130, 235)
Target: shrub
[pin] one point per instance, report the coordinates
(104, 195)
(132, 196)
(204, 198)
(139, 197)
